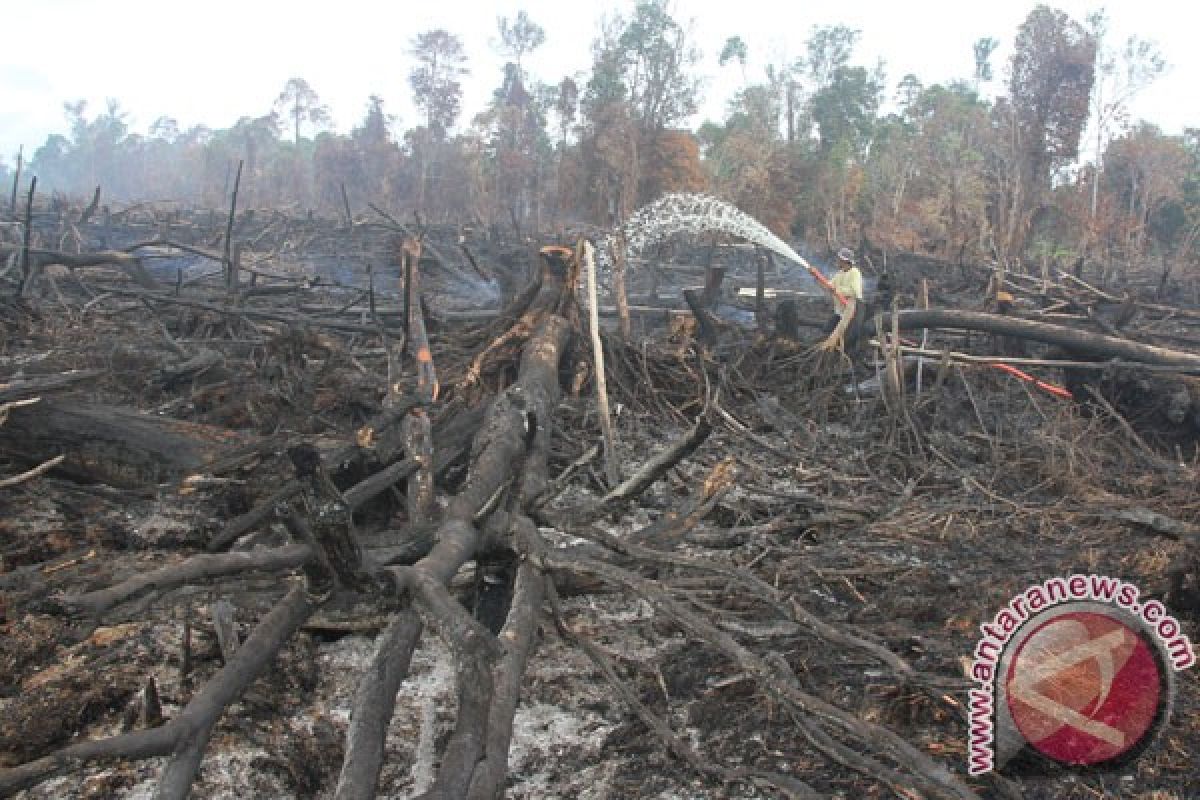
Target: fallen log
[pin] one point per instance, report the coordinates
(128, 263)
(28, 475)
(244, 312)
(661, 314)
(1077, 341)
(126, 449)
(34, 386)
(1160, 524)
(518, 635)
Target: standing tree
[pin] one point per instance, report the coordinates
(1119, 78)
(437, 93)
(301, 104)
(437, 90)
(1145, 171)
(643, 83)
(734, 49)
(659, 59)
(983, 60)
(952, 136)
(844, 109)
(747, 157)
(255, 136)
(94, 157)
(519, 37)
(566, 109)
(829, 49)
(378, 152)
(1053, 69)
(515, 127)
(515, 123)
(1176, 226)
(842, 106)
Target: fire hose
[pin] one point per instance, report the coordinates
(825, 283)
(1057, 391)
(1049, 388)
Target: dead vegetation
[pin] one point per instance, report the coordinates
(268, 535)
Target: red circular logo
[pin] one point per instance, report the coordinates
(1084, 688)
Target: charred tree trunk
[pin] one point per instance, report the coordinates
(113, 445)
(25, 266)
(228, 257)
(418, 339)
(1077, 341)
(714, 277)
(92, 207)
(787, 319)
(762, 261)
(129, 263)
(619, 292)
(705, 321)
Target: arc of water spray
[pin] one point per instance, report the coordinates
(699, 213)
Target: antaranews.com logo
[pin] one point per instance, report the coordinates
(1075, 670)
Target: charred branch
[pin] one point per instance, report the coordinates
(184, 737)
(925, 772)
(658, 466)
(195, 570)
(374, 704)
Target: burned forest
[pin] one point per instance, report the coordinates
(273, 528)
(840, 448)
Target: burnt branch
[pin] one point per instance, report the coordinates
(185, 737)
(195, 570)
(658, 466)
(662, 729)
(374, 704)
(516, 638)
(926, 773)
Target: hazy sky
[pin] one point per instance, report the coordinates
(214, 61)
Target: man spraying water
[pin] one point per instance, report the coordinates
(846, 289)
(696, 213)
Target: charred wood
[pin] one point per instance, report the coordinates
(113, 445)
(185, 736)
(1081, 342)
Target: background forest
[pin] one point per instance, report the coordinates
(1036, 160)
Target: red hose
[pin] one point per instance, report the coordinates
(1057, 391)
(827, 284)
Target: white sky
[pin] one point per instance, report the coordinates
(213, 61)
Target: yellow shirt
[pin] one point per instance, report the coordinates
(848, 283)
